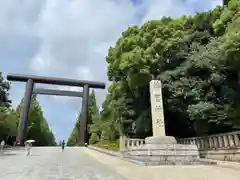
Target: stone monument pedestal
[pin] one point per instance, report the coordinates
(164, 150)
(161, 149)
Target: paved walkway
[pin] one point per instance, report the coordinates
(49, 163)
(137, 172)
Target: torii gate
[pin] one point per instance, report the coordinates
(29, 90)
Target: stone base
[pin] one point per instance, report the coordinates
(163, 151)
(161, 140)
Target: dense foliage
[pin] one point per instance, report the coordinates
(93, 115)
(38, 128)
(197, 58)
(8, 116)
(74, 137)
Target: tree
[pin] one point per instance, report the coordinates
(194, 57)
(4, 88)
(38, 128)
(92, 107)
(73, 138)
(197, 60)
(93, 115)
(225, 2)
(8, 119)
(8, 124)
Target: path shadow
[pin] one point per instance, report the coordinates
(7, 154)
(35, 155)
(15, 149)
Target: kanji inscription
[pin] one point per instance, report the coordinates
(157, 108)
(158, 97)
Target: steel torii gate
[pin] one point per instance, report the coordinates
(29, 90)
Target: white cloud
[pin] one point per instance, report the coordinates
(66, 88)
(157, 9)
(70, 38)
(84, 73)
(40, 64)
(71, 31)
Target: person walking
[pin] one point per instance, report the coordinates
(2, 145)
(63, 145)
(28, 146)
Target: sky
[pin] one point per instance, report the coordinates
(70, 39)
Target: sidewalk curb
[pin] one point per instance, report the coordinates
(105, 151)
(225, 164)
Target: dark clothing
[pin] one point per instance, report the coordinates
(63, 145)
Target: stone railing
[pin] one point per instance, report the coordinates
(218, 141)
(218, 147)
(130, 143)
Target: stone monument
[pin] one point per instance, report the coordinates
(158, 124)
(161, 149)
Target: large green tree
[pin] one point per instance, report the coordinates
(4, 88)
(8, 118)
(195, 57)
(92, 107)
(73, 139)
(38, 128)
(8, 124)
(197, 60)
(93, 115)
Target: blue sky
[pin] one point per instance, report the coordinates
(70, 38)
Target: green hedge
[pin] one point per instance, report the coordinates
(111, 145)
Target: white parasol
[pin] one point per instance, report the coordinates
(30, 141)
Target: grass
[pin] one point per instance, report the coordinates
(110, 145)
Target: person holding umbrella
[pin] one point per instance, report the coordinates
(28, 147)
(2, 145)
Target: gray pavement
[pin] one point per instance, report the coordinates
(50, 163)
(75, 163)
(166, 172)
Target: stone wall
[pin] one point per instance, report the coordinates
(105, 151)
(218, 147)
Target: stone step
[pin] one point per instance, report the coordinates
(151, 162)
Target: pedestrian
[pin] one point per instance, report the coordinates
(2, 145)
(27, 148)
(63, 144)
(30, 148)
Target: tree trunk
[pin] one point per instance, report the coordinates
(225, 2)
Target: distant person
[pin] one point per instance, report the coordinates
(2, 145)
(27, 148)
(63, 145)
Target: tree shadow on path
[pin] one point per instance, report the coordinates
(7, 154)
